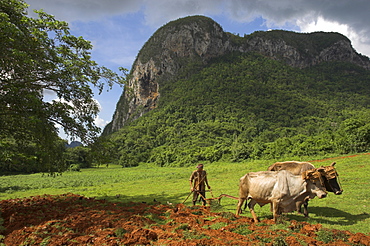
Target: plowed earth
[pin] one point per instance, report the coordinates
(71, 219)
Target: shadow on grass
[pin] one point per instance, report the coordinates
(322, 215)
(331, 216)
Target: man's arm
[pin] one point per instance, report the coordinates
(191, 181)
(206, 181)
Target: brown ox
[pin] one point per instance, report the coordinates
(295, 167)
(282, 189)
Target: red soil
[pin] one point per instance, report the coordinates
(71, 219)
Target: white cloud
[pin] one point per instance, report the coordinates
(360, 42)
(100, 122)
(322, 25)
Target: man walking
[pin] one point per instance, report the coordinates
(198, 180)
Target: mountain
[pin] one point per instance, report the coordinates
(73, 144)
(200, 38)
(198, 93)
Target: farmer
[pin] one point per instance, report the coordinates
(198, 180)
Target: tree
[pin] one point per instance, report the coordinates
(38, 55)
(78, 156)
(102, 152)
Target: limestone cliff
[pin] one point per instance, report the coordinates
(200, 39)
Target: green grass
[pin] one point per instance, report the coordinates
(349, 211)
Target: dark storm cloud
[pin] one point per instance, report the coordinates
(354, 14)
(84, 10)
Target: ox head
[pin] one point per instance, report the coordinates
(315, 181)
(330, 179)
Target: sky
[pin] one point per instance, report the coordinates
(119, 28)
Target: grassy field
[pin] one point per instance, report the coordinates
(349, 211)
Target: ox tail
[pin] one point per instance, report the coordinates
(240, 204)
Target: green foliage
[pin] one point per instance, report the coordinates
(327, 236)
(246, 106)
(120, 232)
(192, 235)
(38, 56)
(74, 168)
(45, 241)
(308, 44)
(279, 241)
(183, 227)
(78, 156)
(218, 225)
(242, 230)
(157, 220)
(28, 157)
(100, 152)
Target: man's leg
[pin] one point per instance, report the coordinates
(195, 197)
(203, 197)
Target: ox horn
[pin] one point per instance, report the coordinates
(333, 164)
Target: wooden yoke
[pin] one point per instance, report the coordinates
(314, 174)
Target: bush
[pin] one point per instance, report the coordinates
(74, 168)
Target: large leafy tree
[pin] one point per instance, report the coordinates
(39, 55)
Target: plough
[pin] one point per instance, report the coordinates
(208, 200)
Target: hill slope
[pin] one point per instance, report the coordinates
(198, 93)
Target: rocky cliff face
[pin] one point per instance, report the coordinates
(200, 38)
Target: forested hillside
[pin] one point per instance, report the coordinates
(245, 105)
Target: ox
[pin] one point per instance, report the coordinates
(329, 176)
(282, 189)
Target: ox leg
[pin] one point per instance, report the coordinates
(298, 206)
(245, 206)
(251, 209)
(240, 204)
(275, 211)
(272, 209)
(305, 208)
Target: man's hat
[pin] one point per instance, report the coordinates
(200, 166)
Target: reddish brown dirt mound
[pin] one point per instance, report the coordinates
(76, 220)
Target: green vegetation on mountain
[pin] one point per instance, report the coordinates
(247, 106)
(305, 43)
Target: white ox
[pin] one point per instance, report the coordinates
(282, 189)
(295, 167)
